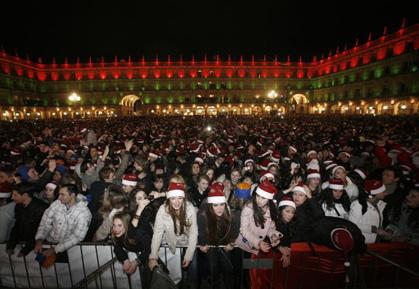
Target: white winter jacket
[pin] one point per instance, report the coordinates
(365, 222)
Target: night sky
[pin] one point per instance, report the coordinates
(86, 28)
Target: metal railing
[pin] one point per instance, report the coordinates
(93, 265)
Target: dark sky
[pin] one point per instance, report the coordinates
(277, 27)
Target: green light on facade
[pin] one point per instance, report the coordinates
(351, 94)
(253, 85)
(114, 100)
(182, 86)
(326, 97)
(158, 100)
(341, 80)
(352, 77)
(299, 85)
(378, 73)
(143, 88)
(105, 100)
(364, 75)
(229, 85)
(157, 86)
(93, 100)
(332, 97)
(205, 85)
(193, 86)
(415, 88)
(169, 86)
(319, 84)
(264, 86)
(181, 99)
(147, 100)
(276, 85)
(131, 86)
(218, 86)
(104, 86)
(170, 100)
(92, 86)
(395, 70)
(241, 85)
(43, 88)
(333, 82)
(414, 68)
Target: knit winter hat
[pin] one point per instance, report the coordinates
(266, 189)
(176, 190)
(129, 180)
(243, 191)
(267, 175)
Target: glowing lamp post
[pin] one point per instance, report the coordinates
(74, 98)
(272, 95)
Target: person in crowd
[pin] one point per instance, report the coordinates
(258, 232)
(307, 212)
(114, 200)
(334, 200)
(404, 220)
(28, 214)
(286, 225)
(235, 176)
(7, 207)
(217, 228)
(209, 170)
(313, 182)
(367, 211)
(143, 173)
(65, 222)
(50, 194)
(129, 183)
(339, 172)
(176, 220)
(200, 192)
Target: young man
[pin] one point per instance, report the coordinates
(28, 214)
(65, 222)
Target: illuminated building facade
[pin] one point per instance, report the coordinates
(380, 76)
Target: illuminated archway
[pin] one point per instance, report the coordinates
(335, 109)
(257, 110)
(200, 110)
(300, 98)
(402, 107)
(129, 100)
(235, 110)
(281, 109)
(211, 110)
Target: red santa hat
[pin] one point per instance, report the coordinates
(300, 188)
(83, 128)
(212, 152)
(336, 168)
(176, 190)
(15, 151)
(195, 147)
(248, 161)
(287, 201)
(374, 187)
(264, 164)
(342, 239)
(276, 156)
(330, 166)
(216, 195)
(267, 190)
(311, 152)
(5, 190)
(336, 184)
(266, 174)
(200, 158)
(361, 172)
(129, 180)
(311, 174)
(51, 185)
(293, 148)
(154, 154)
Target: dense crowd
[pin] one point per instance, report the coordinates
(218, 186)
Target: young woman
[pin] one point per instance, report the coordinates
(367, 211)
(48, 195)
(404, 220)
(339, 172)
(176, 220)
(258, 232)
(113, 200)
(209, 170)
(334, 200)
(286, 225)
(131, 242)
(200, 192)
(313, 181)
(129, 182)
(308, 210)
(216, 227)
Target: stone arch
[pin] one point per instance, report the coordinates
(300, 98)
(212, 110)
(402, 107)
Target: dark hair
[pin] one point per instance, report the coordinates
(24, 187)
(85, 166)
(326, 196)
(218, 229)
(249, 175)
(70, 177)
(71, 189)
(396, 171)
(258, 213)
(181, 217)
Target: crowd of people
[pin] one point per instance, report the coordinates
(220, 187)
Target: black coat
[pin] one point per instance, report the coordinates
(305, 215)
(26, 225)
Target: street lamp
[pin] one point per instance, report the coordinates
(272, 94)
(74, 98)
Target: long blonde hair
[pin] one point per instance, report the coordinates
(125, 219)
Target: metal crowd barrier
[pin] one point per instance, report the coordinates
(94, 265)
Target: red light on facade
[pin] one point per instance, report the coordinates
(102, 74)
(354, 62)
(288, 74)
(229, 72)
(116, 74)
(19, 70)
(366, 59)
(321, 72)
(6, 68)
(252, 73)
(241, 73)
(328, 69)
(169, 73)
(79, 75)
(130, 74)
(382, 53)
(55, 75)
(157, 73)
(276, 73)
(91, 75)
(343, 65)
(143, 73)
(335, 68)
(205, 72)
(310, 74)
(300, 73)
(67, 75)
(181, 73)
(42, 75)
(192, 73)
(399, 48)
(29, 72)
(264, 73)
(217, 72)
